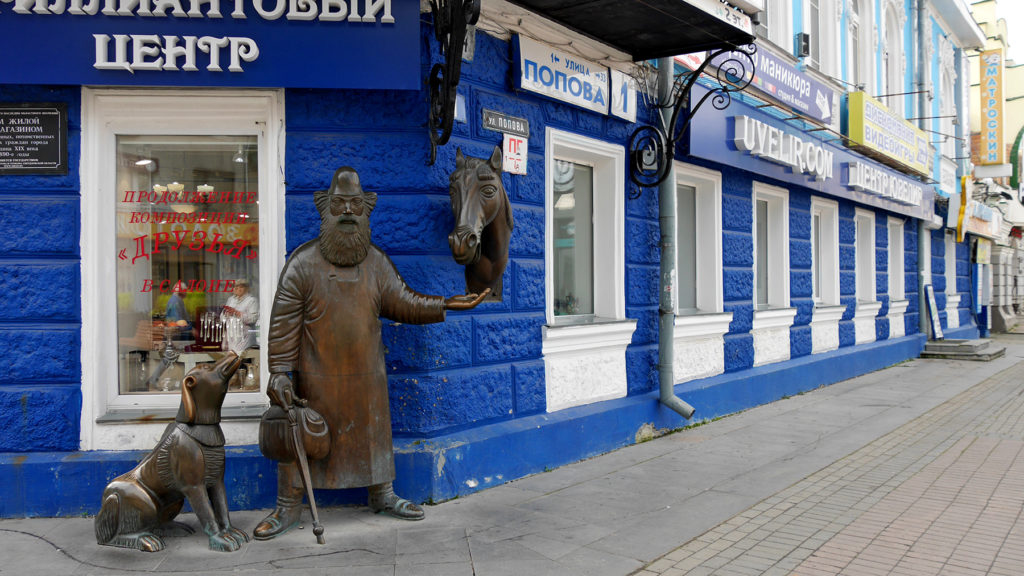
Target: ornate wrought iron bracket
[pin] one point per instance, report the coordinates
(652, 147)
(451, 19)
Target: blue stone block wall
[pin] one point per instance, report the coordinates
(485, 365)
(738, 266)
(40, 322)
(910, 284)
(847, 272)
(801, 276)
(882, 274)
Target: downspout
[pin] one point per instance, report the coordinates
(924, 244)
(667, 219)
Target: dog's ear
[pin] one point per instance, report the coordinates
(186, 397)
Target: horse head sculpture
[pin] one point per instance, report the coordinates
(483, 221)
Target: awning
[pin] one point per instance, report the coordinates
(647, 29)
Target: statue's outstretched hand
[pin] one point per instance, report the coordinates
(281, 390)
(465, 302)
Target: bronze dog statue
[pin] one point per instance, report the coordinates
(188, 462)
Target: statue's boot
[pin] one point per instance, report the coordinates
(289, 507)
(384, 499)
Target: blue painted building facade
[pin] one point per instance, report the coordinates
(496, 393)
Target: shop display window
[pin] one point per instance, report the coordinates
(188, 286)
(182, 237)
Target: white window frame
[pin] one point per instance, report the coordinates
(950, 259)
(865, 34)
(828, 41)
(893, 54)
(708, 196)
(952, 295)
(828, 214)
(896, 264)
(865, 257)
(105, 114)
(827, 309)
(780, 24)
(778, 243)
(865, 254)
(947, 109)
(608, 162)
(699, 346)
(585, 362)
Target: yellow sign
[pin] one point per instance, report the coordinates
(887, 136)
(993, 149)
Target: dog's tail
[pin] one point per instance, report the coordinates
(108, 519)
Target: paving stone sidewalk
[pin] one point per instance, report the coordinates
(911, 468)
(940, 495)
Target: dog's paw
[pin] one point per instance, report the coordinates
(224, 541)
(240, 536)
(148, 542)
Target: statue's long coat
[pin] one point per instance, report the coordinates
(325, 328)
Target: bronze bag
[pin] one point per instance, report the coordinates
(277, 441)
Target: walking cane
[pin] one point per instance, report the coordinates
(300, 454)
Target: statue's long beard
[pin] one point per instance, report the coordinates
(343, 248)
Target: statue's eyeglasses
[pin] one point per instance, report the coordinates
(355, 204)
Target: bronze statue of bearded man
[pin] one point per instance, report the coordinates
(325, 346)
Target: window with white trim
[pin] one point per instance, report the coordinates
(858, 49)
(820, 24)
(948, 112)
(698, 240)
(586, 190)
(584, 342)
(892, 62)
(897, 290)
(950, 259)
(825, 251)
(865, 255)
(188, 197)
(776, 24)
(771, 247)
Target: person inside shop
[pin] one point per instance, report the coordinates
(243, 305)
(176, 317)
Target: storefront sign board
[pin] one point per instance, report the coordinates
(874, 129)
(993, 150)
(560, 75)
(372, 44)
(982, 220)
(34, 138)
(779, 151)
(782, 82)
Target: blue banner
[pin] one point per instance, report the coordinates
(749, 139)
(371, 44)
(781, 81)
